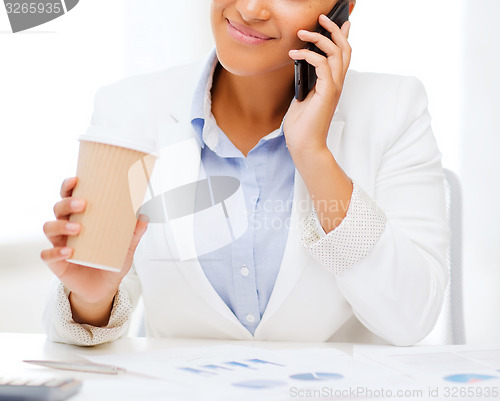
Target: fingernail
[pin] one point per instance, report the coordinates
(144, 218)
(77, 204)
(72, 226)
(66, 251)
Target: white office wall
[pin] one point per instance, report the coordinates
(452, 46)
(49, 76)
(422, 38)
(161, 34)
(480, 169)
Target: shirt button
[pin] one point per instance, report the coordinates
(245, 271)
(250, 318)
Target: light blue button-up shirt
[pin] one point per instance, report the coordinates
(244, 272)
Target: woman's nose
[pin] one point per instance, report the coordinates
(254, 9)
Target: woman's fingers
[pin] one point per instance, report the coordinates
(334, 56)
(339, 35)
(55, 259)
(346, 27)
(338, 50)
(67, 206)
(339, 39)
(58, 231)
(56, 254)
(140, 229)
(323, 43)
(346, 49)
(323, 69)
(67, 187)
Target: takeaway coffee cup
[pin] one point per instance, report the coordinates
(113, 181)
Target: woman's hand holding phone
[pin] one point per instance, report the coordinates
(307, 123)
(92, 290)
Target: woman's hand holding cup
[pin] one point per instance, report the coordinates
(92, 290)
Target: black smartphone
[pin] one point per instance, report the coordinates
(305, 73)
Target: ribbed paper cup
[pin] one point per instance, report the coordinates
(113, 180)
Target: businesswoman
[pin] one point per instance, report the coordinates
(340, 230)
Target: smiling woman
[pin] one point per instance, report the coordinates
(246, 35)
(374, 270)
(262, 45)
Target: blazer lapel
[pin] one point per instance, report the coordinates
(334, 137)
(180, 164)
(296, 257)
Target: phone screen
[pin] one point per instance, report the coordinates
(305, 74)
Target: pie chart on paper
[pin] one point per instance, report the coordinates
(469, 378)
(316, 376)
(259, 384)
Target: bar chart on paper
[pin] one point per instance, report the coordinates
(235, 370)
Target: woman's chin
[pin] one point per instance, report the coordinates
(245, 64)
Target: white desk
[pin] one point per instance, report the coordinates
(14, 348)
(129, 386)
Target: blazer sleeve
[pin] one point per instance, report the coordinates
(58, 321)
(389, 252)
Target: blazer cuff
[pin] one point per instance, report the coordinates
(352, 240)
(70, 332)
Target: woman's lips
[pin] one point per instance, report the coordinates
(246, 35)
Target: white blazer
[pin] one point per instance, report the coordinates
(381, 137)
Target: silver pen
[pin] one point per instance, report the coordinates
(79, 366)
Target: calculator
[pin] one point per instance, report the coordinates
(46, 389)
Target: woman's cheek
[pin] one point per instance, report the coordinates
(221, 3)
(293, 42)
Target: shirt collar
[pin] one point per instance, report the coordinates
(201, 106)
